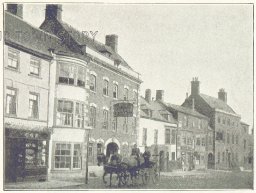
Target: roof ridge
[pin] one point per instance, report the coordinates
(31, 25)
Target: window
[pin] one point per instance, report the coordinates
(200, 124)
(126, 93)
(65, 113)
(244, 144)
(93, 83)
(35, 66)
(218, 157)
(11, 95)
(228, 139)
(173, 137)
(173, 155)
(167, 136)
(203, 141)
(105, 119)
(125, 126)
(99, 148)
(13, 59)
(219, 135)
(228, 121)
(71, 74)
(93, 116)
(210, 140)
(198, 141)
(193, 124)
(115, 92)
(81, 76)
(62, 156)
(33, 105)
(223, 156)
(77, 156)
(155, 136)
(237, 139)
(144, 140)
(79, 115)
(115, 124)
(223, 121)
(135, 95)
(218, 119)
(233, 139)
(90, 149)
(185, 121)
(105, 88)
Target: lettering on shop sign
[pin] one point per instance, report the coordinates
(123, 110)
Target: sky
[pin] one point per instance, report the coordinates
(169, 44)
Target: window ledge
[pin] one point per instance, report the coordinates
(35, 76)
(12, 69)
(70, 85)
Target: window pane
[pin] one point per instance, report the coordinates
(13, 59)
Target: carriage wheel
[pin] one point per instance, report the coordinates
(124, 178)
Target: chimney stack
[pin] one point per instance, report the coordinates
(15, 9)
(53, 11)
(222, 95)
(160, 95)
(112, 41)
(195, 87)
(148, 95)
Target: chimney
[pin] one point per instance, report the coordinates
(195, 88)
(53, 11)
(148, 95)
(160, 95)
(15, 9)
(222, 95)
(112, 41)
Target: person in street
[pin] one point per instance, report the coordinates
(136, 153)
(146, 155)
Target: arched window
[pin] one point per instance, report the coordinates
(93, 83)
(105, 88)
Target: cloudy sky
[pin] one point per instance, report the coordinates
(171, 43)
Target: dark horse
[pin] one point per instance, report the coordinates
(121, 166)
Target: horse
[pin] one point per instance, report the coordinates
(121, 165)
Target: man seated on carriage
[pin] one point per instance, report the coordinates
(114, 158)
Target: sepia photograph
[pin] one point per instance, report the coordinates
(137, 96)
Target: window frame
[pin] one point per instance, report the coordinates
(105, 113)
(115, 91)
(16, 101)
(167, 134)
(38, 105)
(35, 61)
(93, 82)
(105, 87)
(17, 57)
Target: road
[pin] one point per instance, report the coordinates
(207, 180)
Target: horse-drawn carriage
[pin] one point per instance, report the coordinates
(133, 170)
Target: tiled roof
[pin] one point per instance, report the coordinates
(185, 110)
(157, 110)
(217, 103)
(23, 35)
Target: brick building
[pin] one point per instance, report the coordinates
(70, 83)
(230, 141)
(157, 129)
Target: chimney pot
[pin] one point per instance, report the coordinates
(53, 11)
(112, 41)
(148, 95)
(160, 95)
(15, 9)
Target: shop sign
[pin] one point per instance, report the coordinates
(123, 109)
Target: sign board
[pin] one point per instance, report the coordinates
(123, 109)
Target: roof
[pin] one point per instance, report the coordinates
(217, 103)
(158, 110)
(185, 110)
(25, 36)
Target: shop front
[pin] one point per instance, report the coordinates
(26, 154)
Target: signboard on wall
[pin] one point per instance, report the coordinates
(123, 109)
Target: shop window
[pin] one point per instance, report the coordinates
(93, 83)
(93, 116)
(115, 92)
(105, 119)
(77, 156)
(167, 136)
(65, 113)
(79, 115)
(155, 136)
(71, 74)
(126, 93)
(144, 140)
(33, 105)
(13, 59)
(105, 88)
(11, 97)
(34, 66)
(62, 156)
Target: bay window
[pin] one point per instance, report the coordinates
(72, 74)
